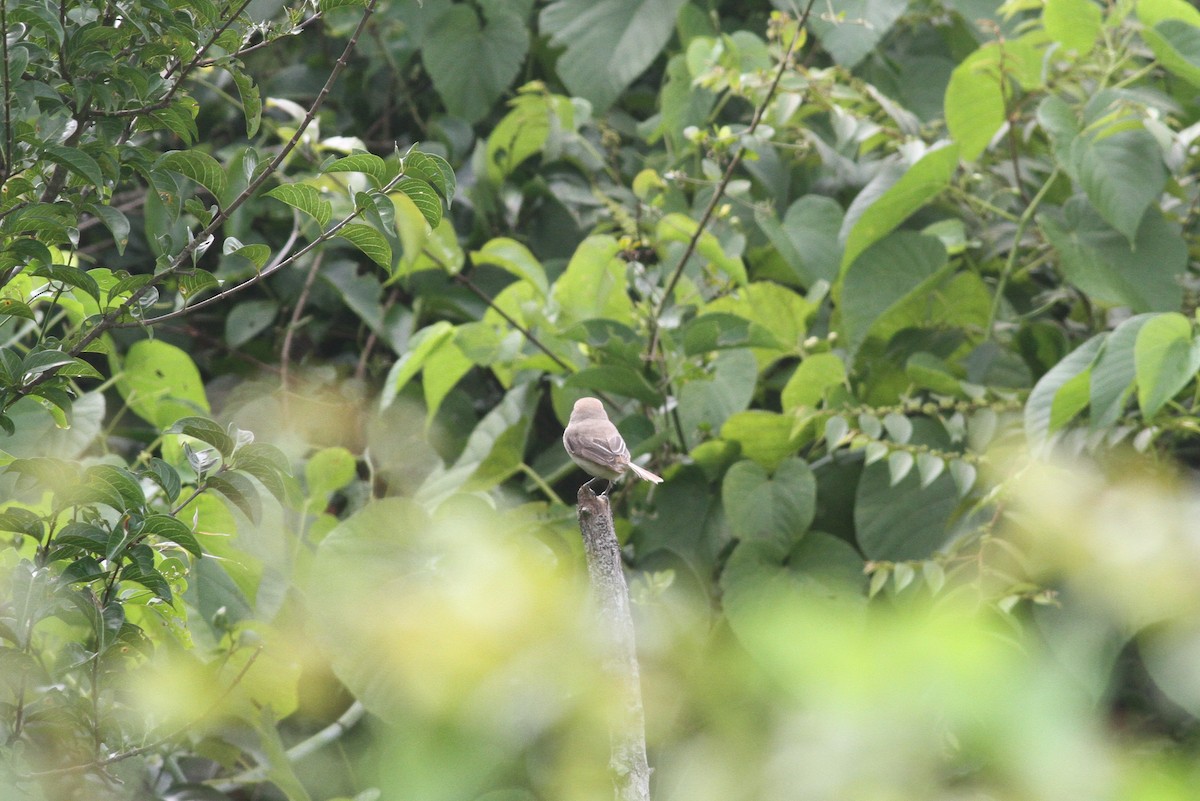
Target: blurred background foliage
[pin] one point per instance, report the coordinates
(899, 297)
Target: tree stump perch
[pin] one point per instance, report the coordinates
(631, 771)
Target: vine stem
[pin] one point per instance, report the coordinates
(722, 185)
(1009, 263)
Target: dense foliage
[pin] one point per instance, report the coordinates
(899, 297)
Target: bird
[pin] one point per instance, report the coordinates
(594, 443)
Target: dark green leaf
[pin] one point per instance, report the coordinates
(305, 198)
(169, 528)
(238, 490)
(369, 241)
(197, 166)
(434, 170)
(206, 431)
(165, 476)
(77, 162)
(608, 43)
(495, 50)
(366, 163)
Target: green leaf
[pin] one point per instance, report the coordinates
(366, 163)
(238, 490)
(194, 282)
(38, 362)
(23, 521)
(266, 463)
(775, 508)
(113, 486)
(892, 196)
(762, 578)
(813, 377)
(71, 276)
(806, 238)
(1112, 375)
(494, 51)
(676, 227)
(248, 319)
(170, 529)
(594, 285)
(608, 43)
(706, 403)
(512, 256)
(251, 99)
(898, 267)
(422, 344)
(721, 330)
(858, 26)
(116, 222)
(165, 476)
(10, 307)
(523, 132)
(929, 467)
(1122, 174)
(899, 521)
(434, 170)
(306, 198)
(149, 578)
(1106, 265)
(206, 431)
(1075, 24)
(1169, 27)
(161, 383)
(619, 379)
(975, 96)
(86, 536)
(75, 161)
(328, 470)
(1166, 358)
(197, 166)
(424, 198)
(369, 241)
(1044, 410)
(444, 368)
(761, 436)
(256, 254)
(495, 450)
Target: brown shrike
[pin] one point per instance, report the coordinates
(594, 444)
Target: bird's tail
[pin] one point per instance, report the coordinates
(643, 473)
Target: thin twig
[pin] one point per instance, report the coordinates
(525, 332)
(285, 352)
(258, 277)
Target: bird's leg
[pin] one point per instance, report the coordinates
(588, 483)
(606, 489)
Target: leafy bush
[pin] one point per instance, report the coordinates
(898, 298)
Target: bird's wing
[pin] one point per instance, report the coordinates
(611, 451)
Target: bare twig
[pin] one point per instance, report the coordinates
(285, 352)
(525, 332)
